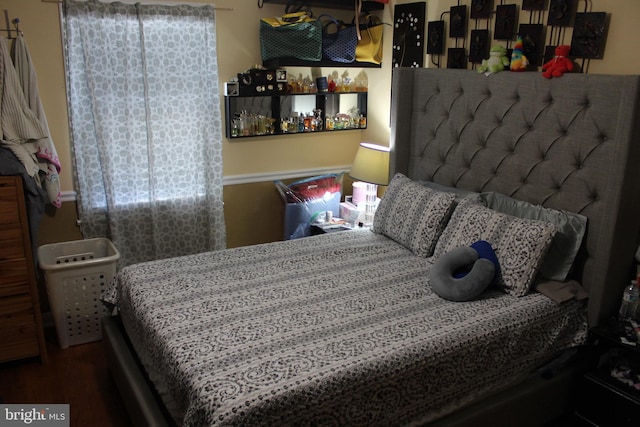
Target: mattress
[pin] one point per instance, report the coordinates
(335, 329)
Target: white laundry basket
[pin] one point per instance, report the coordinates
(75, 273)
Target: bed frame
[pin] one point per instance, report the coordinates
(571, 143)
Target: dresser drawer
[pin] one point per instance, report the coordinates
(18, 337)
(14, 271)
(14, 307)
(11, 245)
(8, 204)
(14, 289)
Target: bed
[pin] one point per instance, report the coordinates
(345, 329)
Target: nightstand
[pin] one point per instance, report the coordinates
(605, 400)
(319, 229)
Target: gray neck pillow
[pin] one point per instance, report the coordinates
(445, 279)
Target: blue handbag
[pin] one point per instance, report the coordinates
(338, 46)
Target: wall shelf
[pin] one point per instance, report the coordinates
(271, 115)
(294, 62)
(336, 4)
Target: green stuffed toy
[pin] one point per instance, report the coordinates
(497, 61)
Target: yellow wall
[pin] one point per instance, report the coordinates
(251, 207)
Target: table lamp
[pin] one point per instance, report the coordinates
(370, 168)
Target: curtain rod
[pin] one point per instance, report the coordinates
(155, 2)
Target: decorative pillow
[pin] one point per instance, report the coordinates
(520, 244)
(571, 228)
(412, 214)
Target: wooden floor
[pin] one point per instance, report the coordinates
(77, 376)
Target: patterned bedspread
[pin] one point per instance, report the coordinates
(337, 329)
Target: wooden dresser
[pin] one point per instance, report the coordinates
(21, 332)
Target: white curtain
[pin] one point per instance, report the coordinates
(146, 127)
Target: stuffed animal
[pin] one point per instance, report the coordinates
(497, 61)
(560, 63)
(519, 61)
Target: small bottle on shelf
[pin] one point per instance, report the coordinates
(630, 298)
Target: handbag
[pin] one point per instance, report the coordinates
(339, 46)
(294, 35)
(369, 48)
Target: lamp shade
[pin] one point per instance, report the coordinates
(371, 164)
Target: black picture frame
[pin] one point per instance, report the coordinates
(532, 42)
(589, 35)
(506, 22)
(562, 13)
(458, 21)
(435, 38)
(481, 9)
(456, 58)
(408, 35)
(534, 4)
(479, 46)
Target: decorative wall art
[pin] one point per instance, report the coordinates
(506, 22)
(561, 12)
(589, 33)
(458, 21)
(532, 42)
(479, 46)
(457, 58)
(534, 4)
(537, 41)
(408, 35)
(435, 38)
(481, 9)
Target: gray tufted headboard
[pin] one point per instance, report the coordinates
(569, 143)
